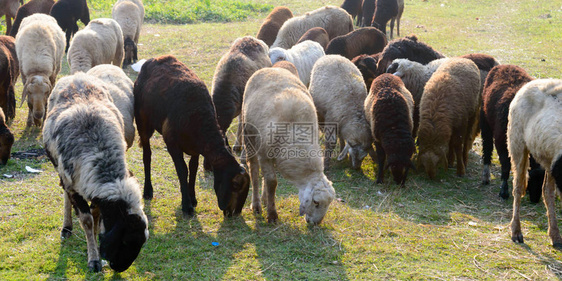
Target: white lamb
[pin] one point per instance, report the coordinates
(276, 99)
(120, 87)
(535, 127)
(302, 55)
(40, 45)
(130, 16)
(100, 42)
(339, 93)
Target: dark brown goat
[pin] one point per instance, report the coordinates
(6, 140)
(353, 7)
(270, 27)
(316, 34)
(30, 8)
(366, 40)
(408, 47)
(368, 11)
(390, 112)
(500, 88)
(384, 11)
(9, 72)
(172, 100)
(67, 13)
(367, 64)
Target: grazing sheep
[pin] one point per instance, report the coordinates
(271, 25)
(84, 141)
(9, 8)
(172, 100)
(500, 88)
(316, 34)
(100, 42)
(302, 55)
(367, 64)
(408, 48)
(288, 66)
(6, 140)
(120, 88)
(368, 11)
(30, 8)
(366, 40)
(389, 108)
(246, 56)
(335, 20)
(535, 127)
(9, 72)
(130, 16)
(449, 116)
(67, 13)
(384, 11)
(276, 98)
(397, 18)
(353, 7)
(339, 92)
(39, 34)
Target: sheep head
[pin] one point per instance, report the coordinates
(277, 54)
(6, 142)
(400, 67)
(430, 160)
(37, 90)
(315, 198)
(232, 185)
(130, 52)
(356, 154)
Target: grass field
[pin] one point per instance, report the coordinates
(449, 229)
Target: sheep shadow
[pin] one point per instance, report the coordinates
(551, 263)
(69, 260)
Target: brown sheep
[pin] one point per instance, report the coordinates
(368, 11)
(353, 7)
(484, 62)
(9, 8)
(171, 99)
(288, 66)
(271, 25)
(366, 40)
(30, 8)
(316, 34)
(449, 116)
(408, 47)
(384, 11)
(9, 72)
(367, 64)
(6, 140)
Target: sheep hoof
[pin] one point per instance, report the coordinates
(517, 238)
(189, 213)
(66, 232)
(272, 217)
(147, 195)
(504, 194)
(94, 265)
(256, 210)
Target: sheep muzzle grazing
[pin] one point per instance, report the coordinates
(6, 140)
(315, 200)
(430, 161)
(356, 154)
(232, 193)
(130, 52)
(37, 90)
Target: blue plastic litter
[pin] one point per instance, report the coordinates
(215, 243)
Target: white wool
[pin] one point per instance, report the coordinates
(302, 55)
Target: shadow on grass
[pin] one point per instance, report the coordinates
(554, 265)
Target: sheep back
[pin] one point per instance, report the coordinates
(335, 20)
(245, 56)
(353, 7)
(6, 139)
(120, 88)
(448, 108)
(130, 16)
(317, 34)
(67, 13)
(288, 66)
(390, 81)
(9, 72)
(303, 55)
(271, 25)
(366, 40)
(100, 42)
(408, 47)
(30, 8)
(484, 62)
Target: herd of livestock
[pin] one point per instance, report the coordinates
(299, 76)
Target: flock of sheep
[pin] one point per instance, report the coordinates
(313, 70)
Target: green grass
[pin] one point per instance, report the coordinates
(451, 229)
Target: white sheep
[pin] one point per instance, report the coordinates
(339, 93)
(40, 45)
(84, 141)
(535, 127)
(302, 55)
(100, 42)
(275, 100)
(120, 87)
(130, 16)
(335, 20)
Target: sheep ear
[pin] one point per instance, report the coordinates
(343, 153)
(398, 73)
(24, 95)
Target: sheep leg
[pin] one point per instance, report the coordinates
(29, 114)
(96, 215)
(505, 168)
(459, 155)
(392, 26)
(519, 162)
(146, 159)
(182, 172)
(269, 187)
(451, 152)
(68, 35)
(67, 222)
(237, 146)
(254, 167)
(193, 165)
(549, 197)
(8, 24)
(487, 148)
(381, 159)
(87, 222)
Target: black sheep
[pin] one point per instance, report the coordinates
(67, 13)
(384, 11)
(500, 88)
(9, 72)
(367, 64)
(316, 34)
(30, 8)
(367, 10)
(6, 140)
(172, 100)
(406, 48)
(366, 40)
(353, 7)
